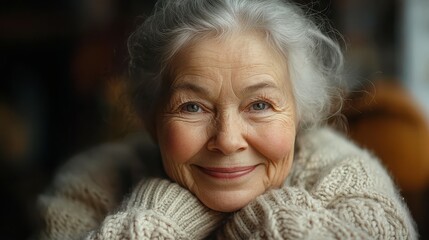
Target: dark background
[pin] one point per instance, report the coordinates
(62, 64)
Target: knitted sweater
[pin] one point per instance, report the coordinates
(334, 191)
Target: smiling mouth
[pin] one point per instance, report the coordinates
(227, 173)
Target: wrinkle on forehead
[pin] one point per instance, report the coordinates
(239, 48)
(222, 65)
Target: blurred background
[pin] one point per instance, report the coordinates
(63, 64)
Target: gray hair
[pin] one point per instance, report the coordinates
(314, 60)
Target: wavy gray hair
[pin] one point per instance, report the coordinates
(314, 60)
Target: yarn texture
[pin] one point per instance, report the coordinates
(335, 190)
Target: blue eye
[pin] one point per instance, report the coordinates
(259, 106)
(192, 107)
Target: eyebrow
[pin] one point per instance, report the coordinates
(261, 85)
(190, 87)
(187, 86)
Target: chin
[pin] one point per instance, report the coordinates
(225, 207)
(227, 201)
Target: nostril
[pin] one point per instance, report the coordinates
(227, 136)
(227, 143)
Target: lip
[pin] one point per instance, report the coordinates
(227, 173)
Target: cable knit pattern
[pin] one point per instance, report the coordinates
(159, 209)
(335, 191)
(85, 189)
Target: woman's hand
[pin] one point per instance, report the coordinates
(160, 208)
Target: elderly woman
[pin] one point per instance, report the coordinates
(236, 95)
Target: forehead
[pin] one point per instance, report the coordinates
(244, 54)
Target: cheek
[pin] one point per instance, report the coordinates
(276, 143)
(179, 142)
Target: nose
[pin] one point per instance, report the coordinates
(229, 135)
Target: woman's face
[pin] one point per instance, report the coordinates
(227, 129)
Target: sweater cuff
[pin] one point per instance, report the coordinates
(177, 204)
(258, 212)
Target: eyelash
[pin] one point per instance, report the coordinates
(261, 99)
(257, 100)
(183, 107)
(266, 107)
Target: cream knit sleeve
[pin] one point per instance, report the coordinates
(159, 209)
(335, 191)
(85, 189)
